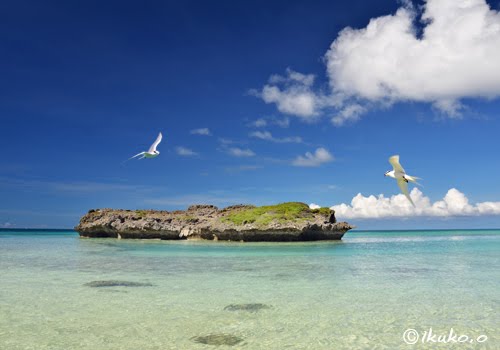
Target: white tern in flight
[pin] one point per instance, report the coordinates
(401, 177)
(152, 152)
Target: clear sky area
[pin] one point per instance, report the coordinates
(258, 101)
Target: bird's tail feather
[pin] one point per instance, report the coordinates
(137, 155)
(413, 179)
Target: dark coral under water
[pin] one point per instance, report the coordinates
(247, 307)
(218, 339)
(116, 283)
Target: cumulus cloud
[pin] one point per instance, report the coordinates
(282, 123)
(186, 152)
(455, 57)
(320, 156)
(201, 131)
(240, 152)
(262, 122)
(259, 123)
(292, 94)
(266, 135)
(454, 203)
(225, 141)
(314, 206)
(349, 113)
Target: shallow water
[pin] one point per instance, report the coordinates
(58, 291)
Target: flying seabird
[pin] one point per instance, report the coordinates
(152, 152)
(401, 177)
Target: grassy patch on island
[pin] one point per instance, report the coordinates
(283, 212)
(322, 210)
(141, 213)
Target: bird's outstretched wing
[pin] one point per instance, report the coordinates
(137, 155)
(394, 160)
(156, 143)
(403, 186)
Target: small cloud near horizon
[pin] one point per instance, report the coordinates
(262, 122)
(240, 152)
(320, 156)
(259, 123)
(185, 152)
(453, 204)
(266, 135)
(201, 131)
(225, 141)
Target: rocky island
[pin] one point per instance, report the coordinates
(291, 221)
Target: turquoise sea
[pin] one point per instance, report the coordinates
(58, 291)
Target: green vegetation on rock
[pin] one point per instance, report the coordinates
(141, 213)
(188, 218)
(283, 212)
(322, 210)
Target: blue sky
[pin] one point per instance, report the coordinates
(289, 117)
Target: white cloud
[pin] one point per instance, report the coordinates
(259, 123)
(68, 187)
(292, 76)
(7, 225)
(262, 122)
(454, 203)
(317, 158)
(40, 213)
(240, 152)
(266, 135)
(349, 113)
(186, 152)
(282, 123)
(314, 206)
(201, 131)
(292, 94)
(456, 57)
(225, 141)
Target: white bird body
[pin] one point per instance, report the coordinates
(152, 152)
(395, 175)
(151, 155)
(401, 177)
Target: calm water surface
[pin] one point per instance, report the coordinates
(361, 293)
